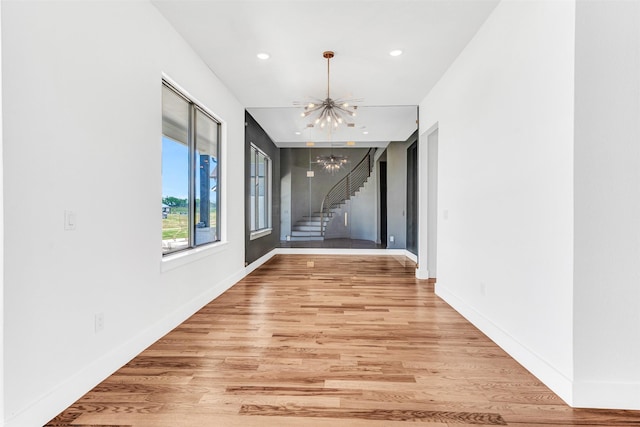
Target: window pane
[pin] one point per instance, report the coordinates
(175, 171)
(206, 179)
(262, 192)
(252, 190)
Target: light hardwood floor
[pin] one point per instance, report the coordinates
(311, 340)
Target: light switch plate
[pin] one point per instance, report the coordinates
(70, 220)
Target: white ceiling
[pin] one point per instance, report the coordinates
(229, 34)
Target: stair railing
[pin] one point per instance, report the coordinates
(347, 186)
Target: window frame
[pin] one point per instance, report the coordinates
(254, 217)
(195, 108)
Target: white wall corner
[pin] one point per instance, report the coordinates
(541, 369)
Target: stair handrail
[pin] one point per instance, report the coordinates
(347, 186)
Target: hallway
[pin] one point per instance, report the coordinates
(325, 341)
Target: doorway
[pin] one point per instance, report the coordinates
(383, 204)
(412, 198)
(432, 202)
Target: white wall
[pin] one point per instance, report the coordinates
(1, 242)
(82, 126)
(607, 205)
(505, 184)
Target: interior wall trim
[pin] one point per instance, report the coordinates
(608, 395)
(339, 251)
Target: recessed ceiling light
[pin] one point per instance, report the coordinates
(310, 144)
(351, 143)
(297, 133)
(365, 133)
(395, 52)
(263, 55)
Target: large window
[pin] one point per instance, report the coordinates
(190, 173)
(260, 207)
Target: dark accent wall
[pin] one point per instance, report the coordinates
(254, 134)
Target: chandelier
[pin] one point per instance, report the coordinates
(332, 163)
(330, 112)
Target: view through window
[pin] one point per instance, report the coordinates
(190, 173)
(260, 190)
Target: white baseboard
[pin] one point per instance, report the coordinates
(422, 273)
(50, 404)
(340, 251)
(413, 257)
(551, 377)
(589, 394)
(257, 263)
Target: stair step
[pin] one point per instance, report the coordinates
(310, 221)
(297, 233)
(317, 216)
(312, 227)
(338, 205)
(305, 238)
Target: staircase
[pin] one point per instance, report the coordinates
(312, 227)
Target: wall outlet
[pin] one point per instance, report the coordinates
(392, 239)
(99, 322)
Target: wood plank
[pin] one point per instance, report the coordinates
(376, 414)
(309, 340)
